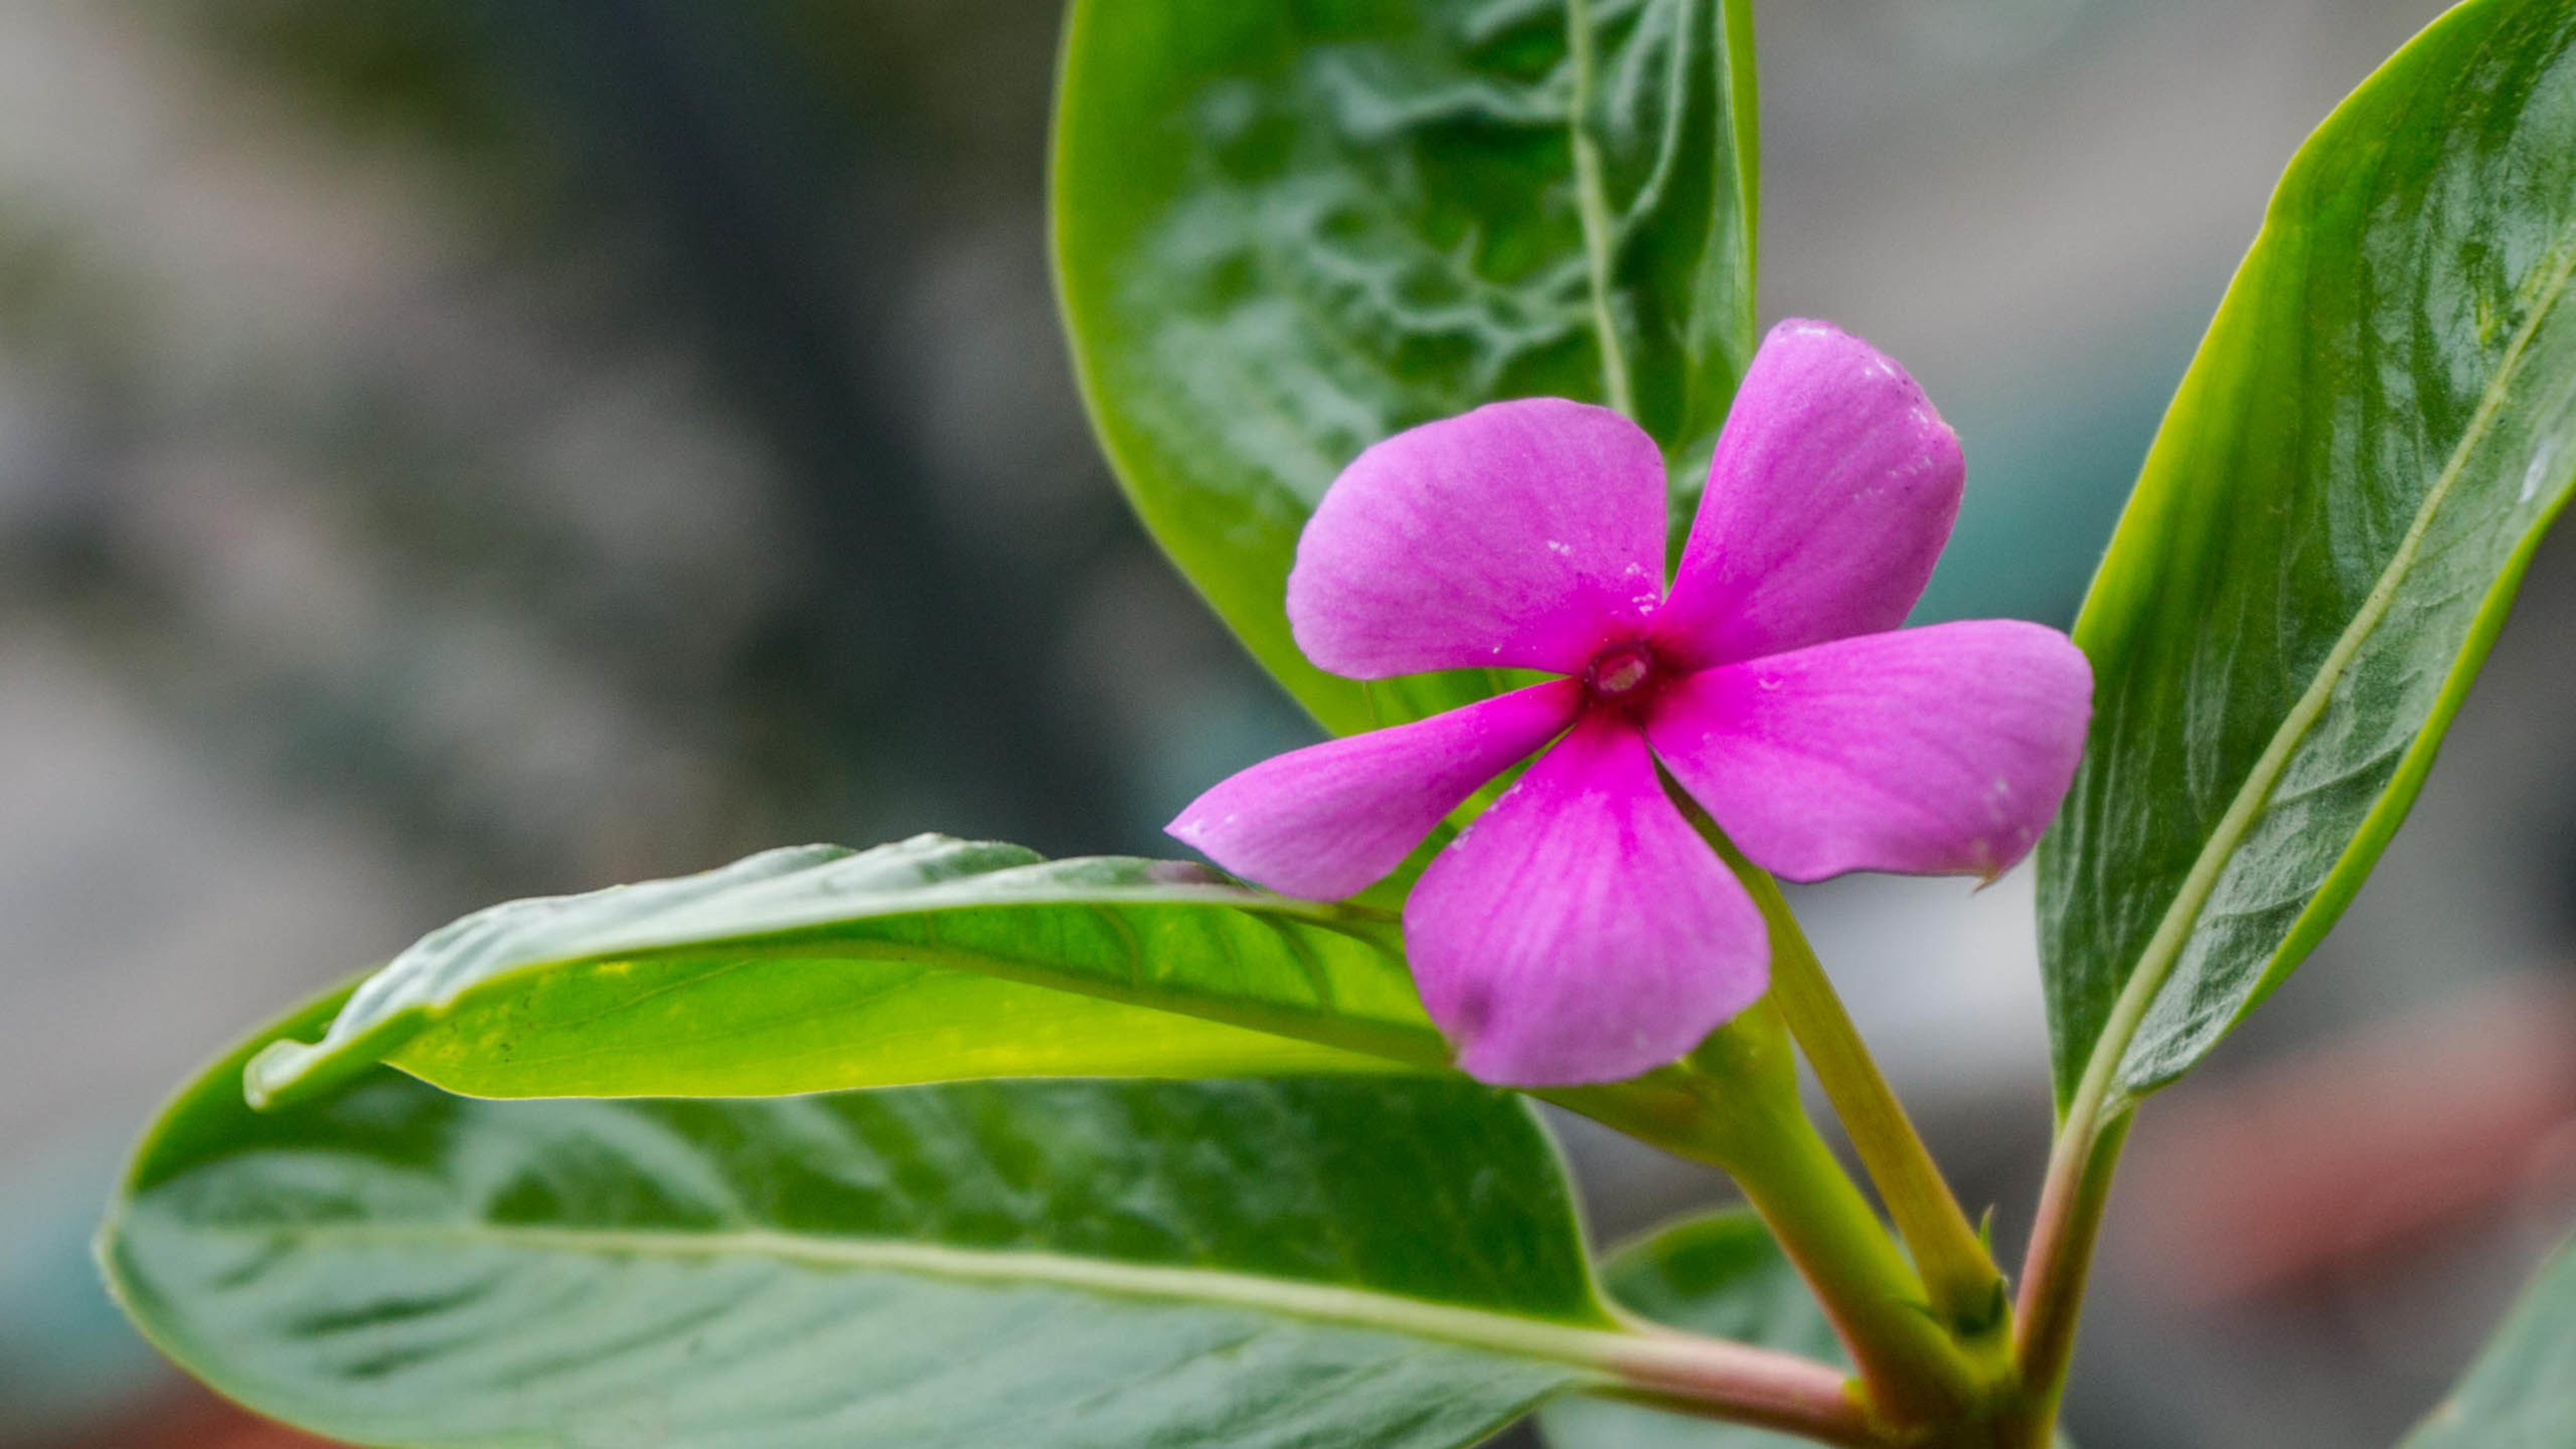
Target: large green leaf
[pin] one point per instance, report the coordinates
(1284, 231)
(2521, 1394)
(1289, 1262)
(2329, 530)
(1721, 1275)
(815, 968)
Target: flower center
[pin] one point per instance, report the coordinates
(1620, 672)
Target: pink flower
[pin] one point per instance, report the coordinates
(1580, 930)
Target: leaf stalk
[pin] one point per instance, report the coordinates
(2059, 1263)
(1737, 1383)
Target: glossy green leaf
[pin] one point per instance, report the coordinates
(1056, 1265)
(2327, 535)
(1720, 1275)
(2521, 1393)
(1283, 232)
(816, 968)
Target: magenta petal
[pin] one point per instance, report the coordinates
(1580, 930)
(1936, 751)
(1520, 534)
(1326, 821)
(1833, 487)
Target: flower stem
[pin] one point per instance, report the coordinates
(1960, 1278)
(1735, 1105)
(1966, 1288)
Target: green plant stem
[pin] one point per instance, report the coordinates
(1825, 1224)
(1966, 1287)
(1735, 1105)
(1960, 1277)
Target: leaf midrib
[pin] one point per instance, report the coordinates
(1324, 1023)
(1410, 1046)
(823, 911)
(1516, 1335)
(1592, 207)
(2164, 949)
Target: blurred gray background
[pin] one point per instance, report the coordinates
(456, 449)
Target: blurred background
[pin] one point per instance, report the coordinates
(458, 449)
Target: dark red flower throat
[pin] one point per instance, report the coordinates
(1625, 676)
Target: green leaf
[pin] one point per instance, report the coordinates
(815, 969)
(1720, 1275)
(1384, 1262)
(2328, 533)
(2521, 1393)
(1283, 232)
